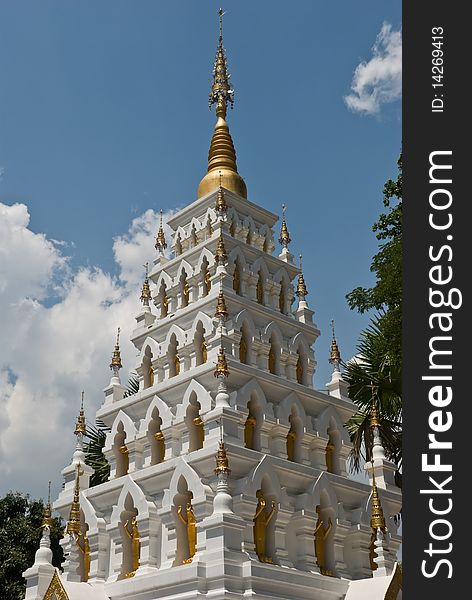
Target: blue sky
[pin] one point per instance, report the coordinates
(104, 115)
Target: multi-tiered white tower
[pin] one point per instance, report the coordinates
(228, 469)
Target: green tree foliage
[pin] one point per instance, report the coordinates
(386, 295)
(20, 534)
(375, 377)
(96, 435)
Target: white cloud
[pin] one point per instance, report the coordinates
(50, 352)
(378, 81)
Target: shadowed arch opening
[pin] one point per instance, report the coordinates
(245, 345)
(253, 424)
(130, 539)
(156, 438)
(148, 369)
(173, 356)
(294, 436)
(185, 529)
(333, 448)
(120, 450)
(195, 425)
(201, 352)
(163, 300)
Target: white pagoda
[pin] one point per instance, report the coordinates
(228, 474)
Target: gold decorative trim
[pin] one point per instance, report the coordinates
(56, 590)
(395, 585)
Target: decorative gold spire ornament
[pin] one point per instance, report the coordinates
(374, 415)
(221, 207)
(146, 290)
(221, 310)
(222, 169)
(284, 238)
(221, 256)
(377, 520)
(161, 243)
(221, 365)
(47, 514)
(222, 463)
(335, 354)
(80, 423)
(116, 363)
(73, 525)
(301, 287)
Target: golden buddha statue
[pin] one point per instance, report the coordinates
(237, 279)
(151, 376)
(186, 293)
(330, 447)
(164, 306)
(133, 535)
(198, 423)
(261, 522)
(321, 535)
(207, 282)
(204, 351)
(177, 364)
(161, 445)
(291, 439)
(249, 430)
(243, 350)
(125, 454)
(191, 523)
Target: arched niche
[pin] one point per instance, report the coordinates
(156, 438)
(173, 357)
(329, 424)
(130, 539)
(148, 369)
(295, 435)
(181, 499)
(194, 422)
(201, 351)
(253, 423)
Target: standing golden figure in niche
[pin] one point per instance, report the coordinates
(299, 370)
(151, 376)
(197, 421)
(243, 350)
(191, 523)
(249, 431)
(204, 351)
(237, 279)
(186, 293)
(291, 440)
(125, 454)
(321, 535)
(161, 445)
(177, 364)
(330, 456)
(133, 535)
(164, 305)
(261, 522)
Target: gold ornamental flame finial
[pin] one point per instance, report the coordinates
(284, 238)
(146, 291)
(221, 255)
(221, 207)
(116, 357)
(221, 365)
(80, 423)
(377, 520)
(374, 414)
(161, 243)
(47, 514)
(73, 525)
(222, 168)
(222, 463)
(221, 310)
(301, 286)
(335, 354)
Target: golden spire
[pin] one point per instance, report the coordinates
(301, 287)
(161, 243)
(284, 238)
(222, 169)
(374, 414)
(221, 365)
(116, 363)
(334, 355)
(377, 520)
(80, 423)
(221, 310)
(47, 514)
(220, 206)
(222, 463)
(146, 291)
(73, 525)
(221, 256)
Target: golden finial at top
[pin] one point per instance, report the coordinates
(73, 525)
(116, 363)
(80, 423)
(377, 520)
(335, 354)
(222, 169)
(47, 514)
(301, 286)
(374, 415)
(284, 238)
(146, 291)
(161, 243)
